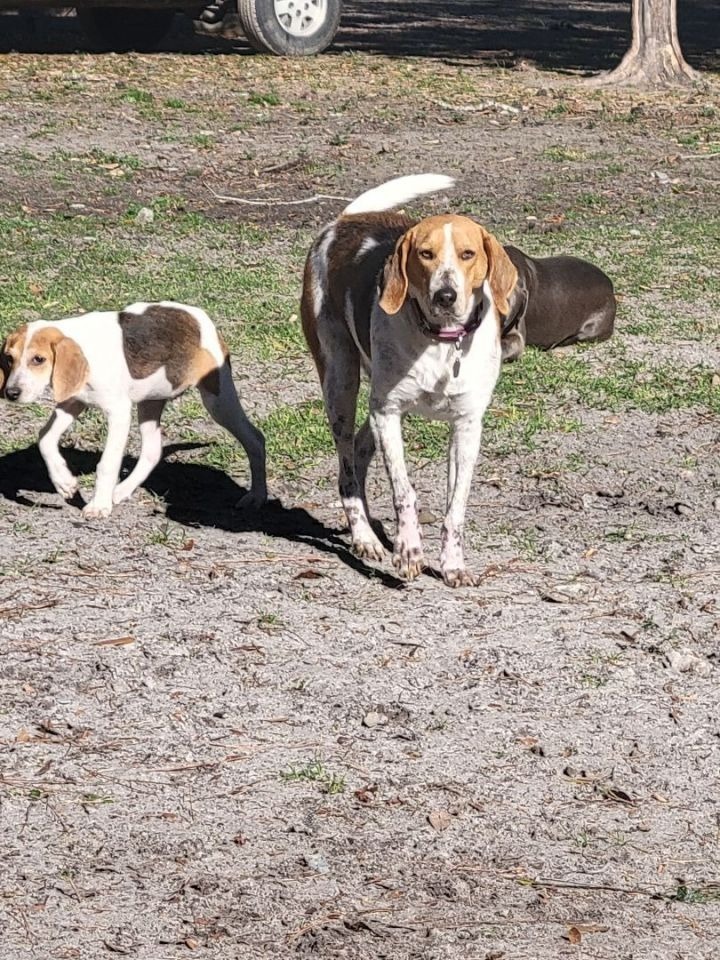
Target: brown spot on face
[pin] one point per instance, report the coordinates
(54, 358)
(422, 249)
(166, 337)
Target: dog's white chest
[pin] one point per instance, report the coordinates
(441, 381)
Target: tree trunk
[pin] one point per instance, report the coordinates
(654, 58)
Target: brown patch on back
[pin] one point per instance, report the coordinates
(360, 277)
(205, 372)
(165, 337)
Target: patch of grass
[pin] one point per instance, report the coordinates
(269, 99)
(702, 894)
(559, 154)
(134, 95)
(168, 535)
(204, 141)
(315, 772)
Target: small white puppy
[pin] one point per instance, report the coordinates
(147, 354)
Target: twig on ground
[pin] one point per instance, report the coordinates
(19, 611)
(479, 107)
(274, 201)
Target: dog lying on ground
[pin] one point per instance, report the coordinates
(147, 354)
(556, 301)
(418, 306)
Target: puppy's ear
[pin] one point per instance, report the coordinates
(70, 370)
(395, 280)
(4, 369)
(502, 275)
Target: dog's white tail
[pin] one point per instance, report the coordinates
(397, 191)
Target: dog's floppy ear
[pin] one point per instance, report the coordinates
(70, 370)
(502, 275)
(4, 369)
(395, 280)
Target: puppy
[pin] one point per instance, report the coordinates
(557, 301)
(417, 306)
(147, 354)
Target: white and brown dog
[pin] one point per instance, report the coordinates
(418, 307)
(147, 354)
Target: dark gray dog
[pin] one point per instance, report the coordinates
(556, 301)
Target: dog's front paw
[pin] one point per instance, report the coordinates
(95, 510)
(121, 492)
(368, 548)
(408, 560)
(461, 578)
(66, 486)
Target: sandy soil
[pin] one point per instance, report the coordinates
(224, 736)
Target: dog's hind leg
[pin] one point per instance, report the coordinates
(149, 414)
(341, 382)
(222, 402)
(61, 420)
(364, 452)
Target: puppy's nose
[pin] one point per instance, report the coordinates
(12, 393)
(445, 297)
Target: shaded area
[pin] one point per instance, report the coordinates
(195, 495)
(551, 34)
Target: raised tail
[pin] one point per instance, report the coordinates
(398, 191)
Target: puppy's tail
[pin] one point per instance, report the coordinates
(398, 191)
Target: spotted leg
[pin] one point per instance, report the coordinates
(408, 550)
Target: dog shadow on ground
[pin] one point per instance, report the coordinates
(195, 495)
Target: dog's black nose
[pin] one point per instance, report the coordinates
(445, 297)
(12, 393)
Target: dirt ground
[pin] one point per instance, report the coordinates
(222, 735)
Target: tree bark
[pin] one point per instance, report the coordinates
(654, 58)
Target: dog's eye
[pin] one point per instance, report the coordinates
(427, 254)
(37, 360)
(467, 254)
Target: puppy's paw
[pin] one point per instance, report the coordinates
(408, 560)
(368, 548)
(95, 510)
(252, 500)
(461, 578)
(121, 492)
(66, 486)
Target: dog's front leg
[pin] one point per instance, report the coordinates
(109, 467)
(408, 550)
(464, 449)
(60, 421)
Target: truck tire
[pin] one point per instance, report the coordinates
(290, 28)
(120, 29)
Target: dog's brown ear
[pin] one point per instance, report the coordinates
(395, 280)
(4, 369)
(502, 275)
(70, 370)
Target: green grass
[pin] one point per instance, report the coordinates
(249, 280)
(315, 772)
